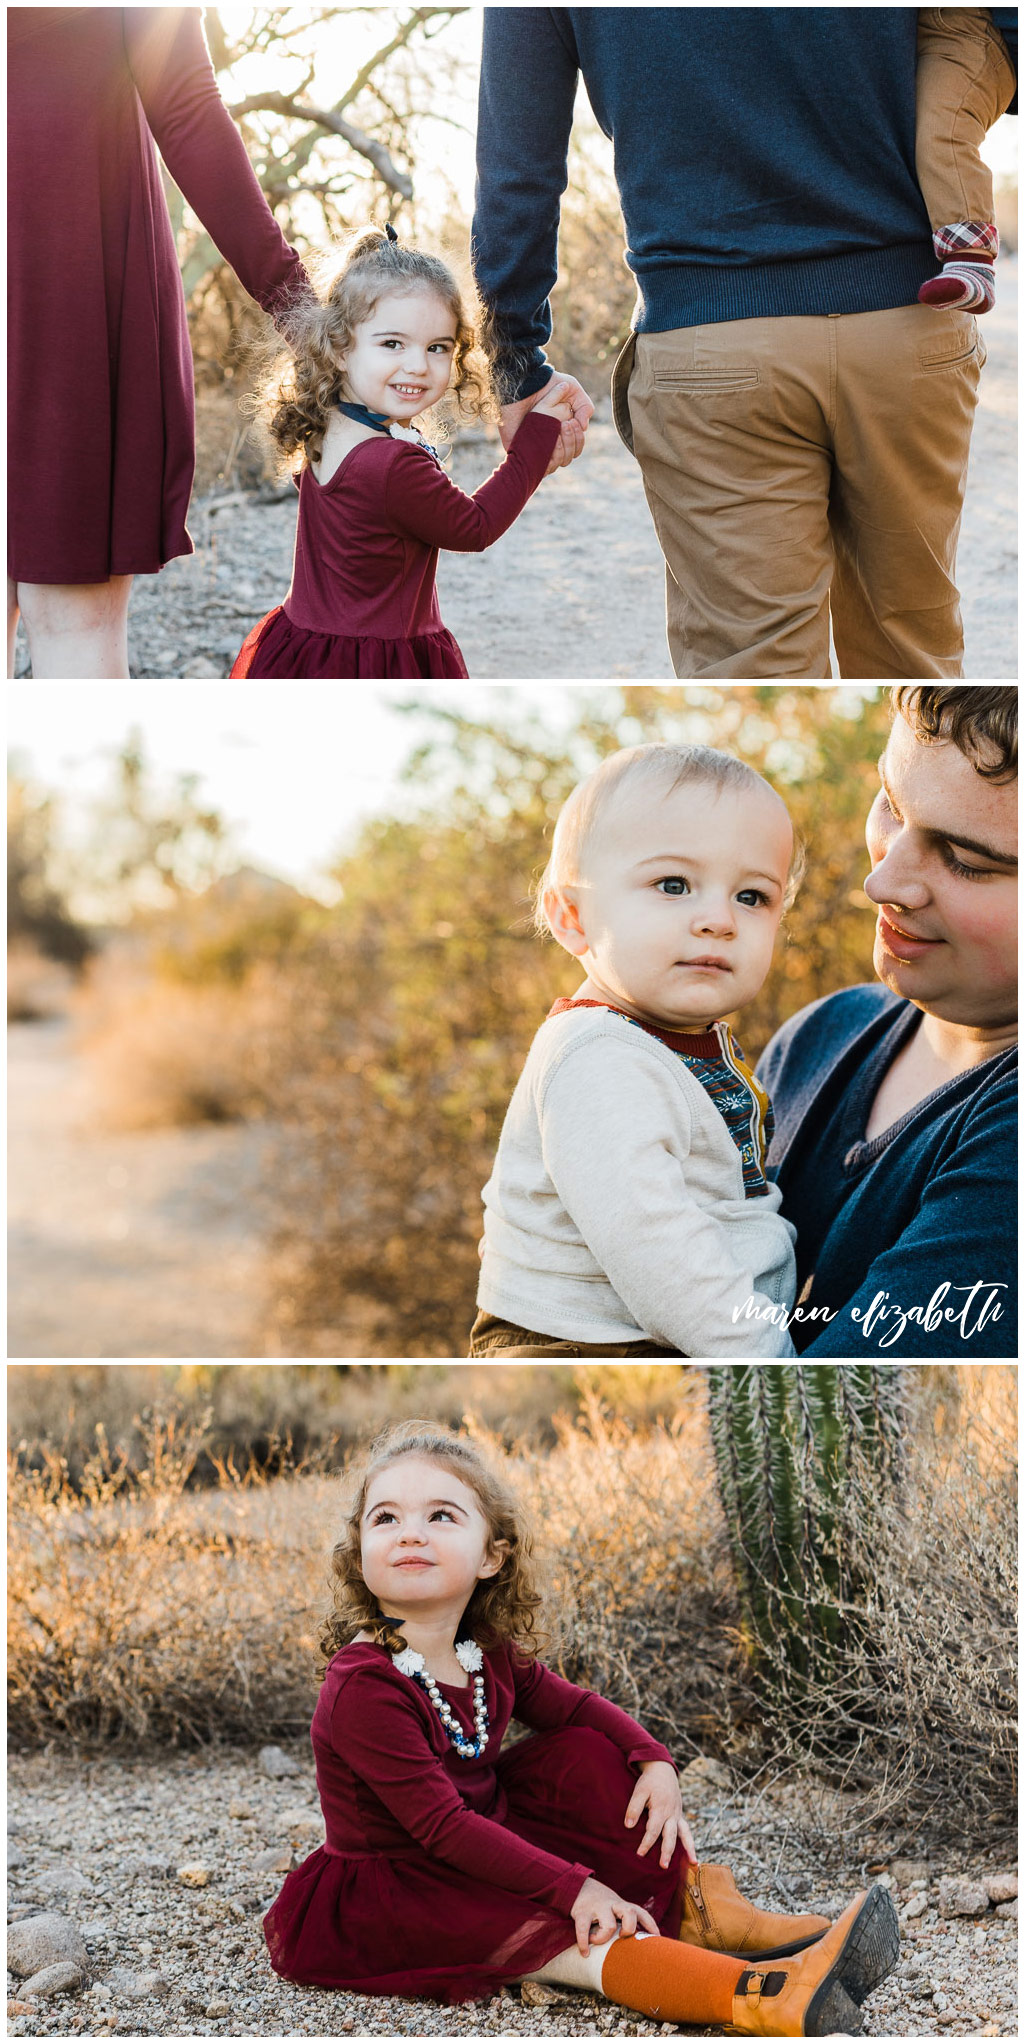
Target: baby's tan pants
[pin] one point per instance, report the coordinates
(965, 80)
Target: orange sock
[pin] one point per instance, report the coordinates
(678, 1983)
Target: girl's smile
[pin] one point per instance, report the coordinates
(400, 360)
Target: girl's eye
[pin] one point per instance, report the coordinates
(381, 1518)
(750, 896)
(441, 347)
(391, 344)
(442, 1512)
(673, 884)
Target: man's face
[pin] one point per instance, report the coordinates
(943, 845)
(679, 900)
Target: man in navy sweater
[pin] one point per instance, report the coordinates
(801, 422)
(895, 1105)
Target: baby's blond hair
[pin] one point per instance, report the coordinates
(664, 768)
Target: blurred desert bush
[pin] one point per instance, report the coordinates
(142, 1610)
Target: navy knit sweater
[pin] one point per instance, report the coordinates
(883, 1226)
(764, 158)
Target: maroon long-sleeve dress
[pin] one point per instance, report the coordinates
(362, 600)
(100, 394)
(444, 1877)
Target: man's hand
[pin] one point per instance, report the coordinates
(657, 1792)
(573, 428)
(598, 1913)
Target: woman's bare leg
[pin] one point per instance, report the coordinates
(77, 631)
(12, 624)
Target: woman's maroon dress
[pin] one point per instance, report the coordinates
(444, 1877)
(362, 601)
(100, 399)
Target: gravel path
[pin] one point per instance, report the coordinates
(575, 590)
(181, 1954)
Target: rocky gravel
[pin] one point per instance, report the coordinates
(136, 1889)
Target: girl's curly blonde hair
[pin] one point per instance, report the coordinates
(298, 393)
(501, 1607)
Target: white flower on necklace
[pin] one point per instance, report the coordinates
(470, 1657)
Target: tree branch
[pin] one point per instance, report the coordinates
(323, 117)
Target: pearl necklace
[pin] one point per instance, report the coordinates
(469, 1656)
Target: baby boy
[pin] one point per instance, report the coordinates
(628, 1212)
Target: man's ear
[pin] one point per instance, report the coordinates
(564, 921)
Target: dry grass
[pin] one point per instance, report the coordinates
(147, 1612)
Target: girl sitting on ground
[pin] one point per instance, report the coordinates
(390, 335)
(450, 1867)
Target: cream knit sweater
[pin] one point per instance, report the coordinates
(616, 1208)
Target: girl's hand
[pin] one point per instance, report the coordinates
(598, 1913)
(657, 1792)
(565, 400)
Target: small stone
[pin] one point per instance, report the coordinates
(1007, 1908)
(63, 1882)
(44, 1940)
(131, 1986)
(195, 1875)
(915, 1907)
(704, 1773)
(906, 1871)
(303, 1827)
(348, 2023)
(218, 2008)
(1001, 1887)
(939, 2001)
(15, 1858)
(239, 1810)
(277, 1860)
(19, 2008)
(64, 1978)
(960, 1896)
(537, 1995)
(149, 1866)
(273, 1760)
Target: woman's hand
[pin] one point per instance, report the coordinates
(596, 1905)
(657, 1792)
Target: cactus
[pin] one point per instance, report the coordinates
(788, 1440)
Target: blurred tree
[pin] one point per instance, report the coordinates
(37, 911)
(405, 1023)
(151, 840)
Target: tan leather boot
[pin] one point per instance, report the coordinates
(719, 1919)
(809, 1996)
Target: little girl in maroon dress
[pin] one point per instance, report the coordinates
(382, 346)
(451, 1867)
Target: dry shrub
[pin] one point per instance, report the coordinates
(914, 1715)
(170, 1055)
(133, 1615)
(38, 988)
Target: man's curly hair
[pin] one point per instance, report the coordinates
(501, 1607)
(980, 722)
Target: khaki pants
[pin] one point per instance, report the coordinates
(800, 463)
(965, 80)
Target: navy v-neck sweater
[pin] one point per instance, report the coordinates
(883, 1226)
(764, 158)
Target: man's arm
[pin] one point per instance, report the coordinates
(528, 80)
